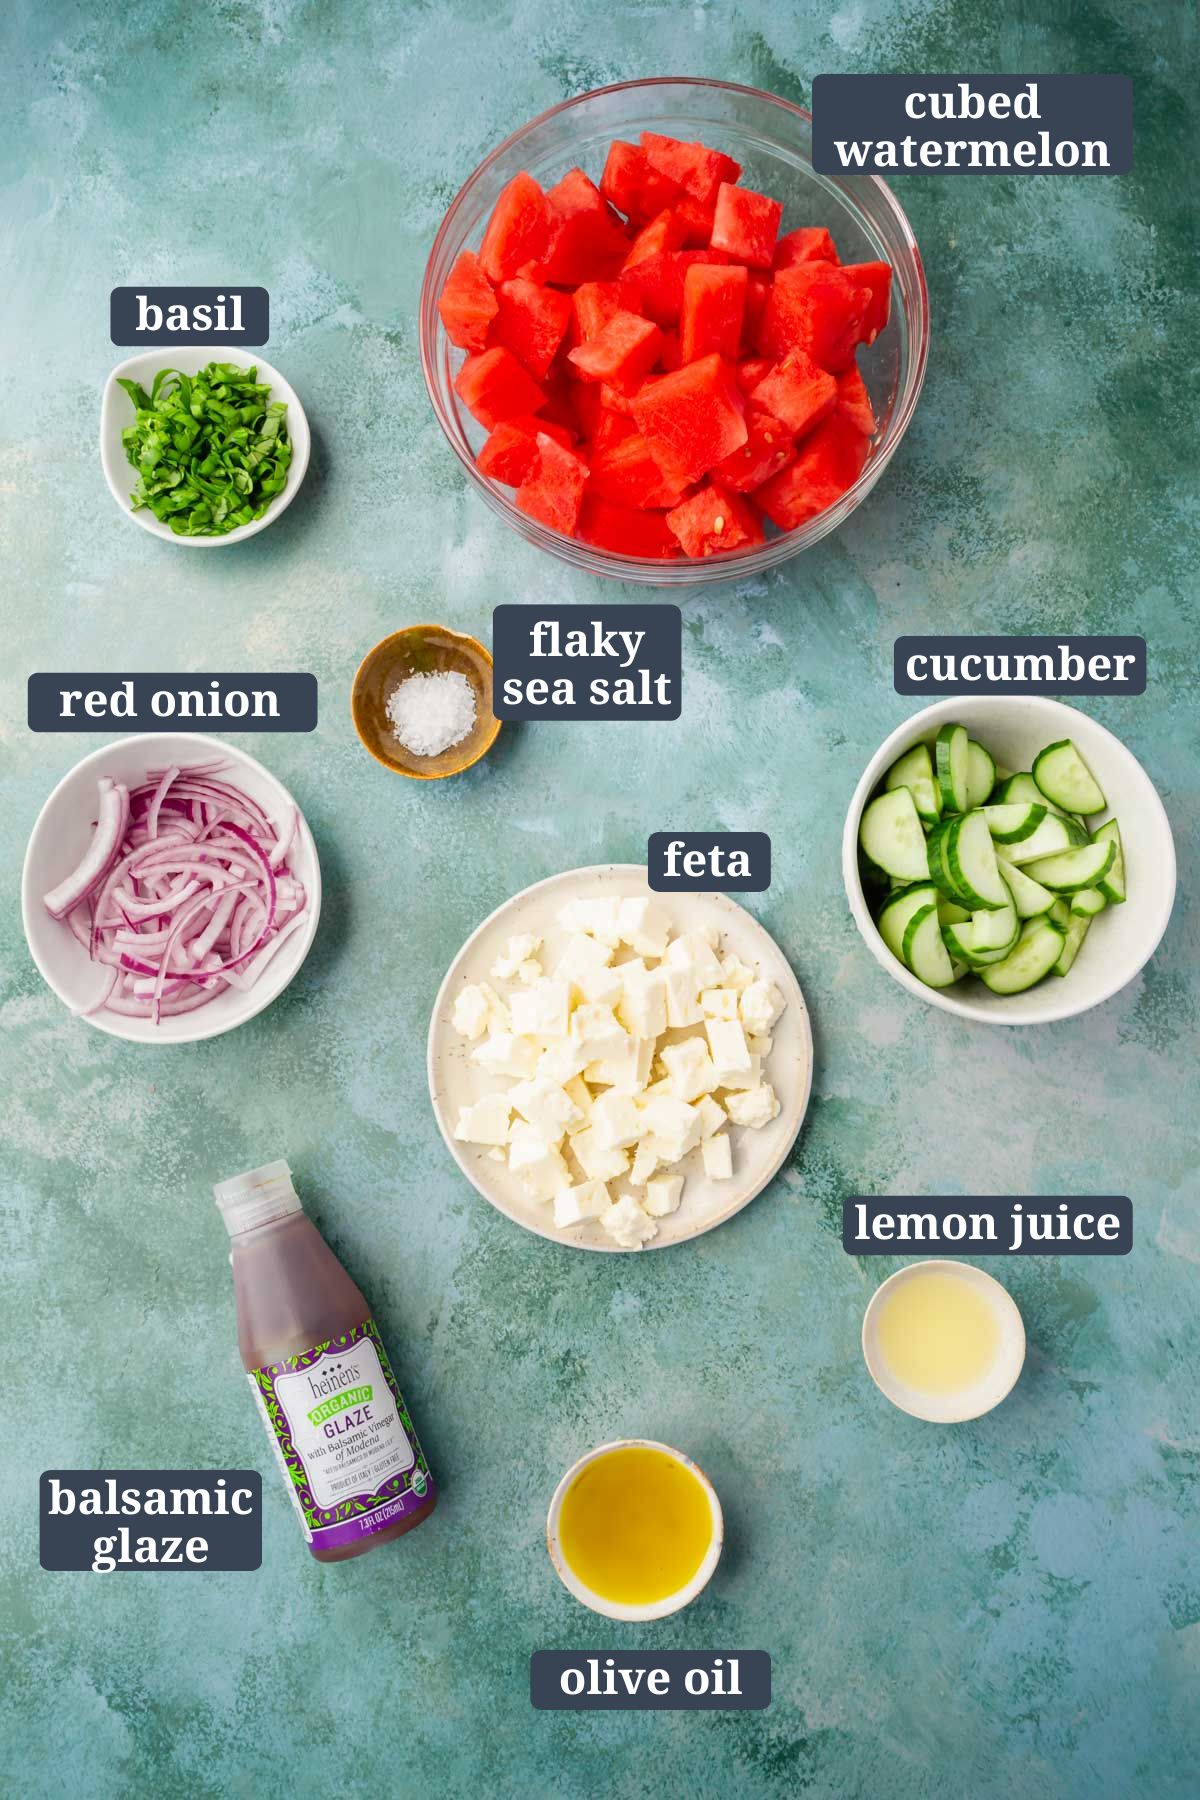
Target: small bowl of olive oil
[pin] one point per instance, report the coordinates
(635, 1530)
(944, 1341)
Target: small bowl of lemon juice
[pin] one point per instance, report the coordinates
(944, 1341)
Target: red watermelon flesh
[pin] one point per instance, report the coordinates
(816, 308)
(518, 230)
(609, 427)
(692, 418)
(493, 386)
(509, 454)
(657, 283)
(531, 322)
(714, 299)
(854, 400)
(877, 277)
(623, 353)
(746, 224)
(829, 462)
(627, 474)
(665, 232)
(757, 289)
(586, 240)
(698, 170)
(552, 492)
(769, 447)
(594, 304)
(467, 304)
(796, 392)
(812, 243)
(634, 186)
(714, 520)
(751, 371)
(624, 530)
(695, 220)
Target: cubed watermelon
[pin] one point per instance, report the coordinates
(552, 492)
(695, 220)
(494, 386)
(698, 170)
(594, 304)
(624, 530)
(877, 276)
(746, 224)
(509, 454)
(634, 186)
(816, 308)
(757, 289)
(714, 520)
(627, 474)
(664, 232)
(587, 242)
(468, 303)
(714, 299)
(518, 230)
(854, 400)
(671, 356)
(609, 427)
(812, 243)
(616, 399)
(829, 462)
(657, 282)
(769, 447)
(623, 353)
(751, 371)
(692, 418)
(531, 322)
(796, 392)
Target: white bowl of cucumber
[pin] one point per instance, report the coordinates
(996, 845)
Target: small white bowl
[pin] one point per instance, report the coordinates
(612, 1609)
(59, 839)
(1122, 938)
(968, 1403)
(117, 413)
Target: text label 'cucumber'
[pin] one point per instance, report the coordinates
(107, 1519)
(726, 862)
(587, 662)
(991, 1226)
(650, 1680)
(148, 702)
(973, 124)
(189, 315)
(1019, 665)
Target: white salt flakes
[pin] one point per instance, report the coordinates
(429, 713)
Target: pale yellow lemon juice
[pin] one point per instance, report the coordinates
(943, 1341)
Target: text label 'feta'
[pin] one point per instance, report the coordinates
(593, 662)
(726, 862)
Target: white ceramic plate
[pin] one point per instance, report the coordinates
(1122, 938)
(455, 1081)
(117, 414)
(962, 1403)
(59, 839)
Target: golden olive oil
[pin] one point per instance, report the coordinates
(938, 1332)
(635, 1525)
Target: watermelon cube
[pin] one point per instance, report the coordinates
(854, 400)
(494, 386)
(627, 474)
(769, 447)
(757, 289)
(664, 232)
(552, 491)
(594, 303)
(657, 283)
(671, 356)
(509, 454)
(829, 462)
(518, 230)
(586, 240)
(750, 372)
(695, 220)
(623, 353)
(698, 170)
(712, 521)
(632, 184)
(467, 304)
(714, 299)
(691, 418)
(625, 531)
(609, 427)
(812, 243)
(877, 277)
(816, 308)
(531, 322)
(746, 224)
(796, 392)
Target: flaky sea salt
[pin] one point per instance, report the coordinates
(431, 712)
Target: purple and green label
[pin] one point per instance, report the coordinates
(343, 1437)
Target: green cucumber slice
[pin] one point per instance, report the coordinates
(1009, 824)
(915, 765)
(938, 867)
(927, 799)
(1112, 883)
(951, 913)
(951, 754)
(898, 909)
(1029, 897)
(1088, 902)
(1075, 869)
(891, 836)
(999, 928)
(971, 860)
(1038, 949)
(981, 773)
(1024, 787)
(1077, 929)
(1065, 778)
(1051, 836)
(924, 951)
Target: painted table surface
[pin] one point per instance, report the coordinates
(1007, 1607)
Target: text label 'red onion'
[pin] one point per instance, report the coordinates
(74, 702)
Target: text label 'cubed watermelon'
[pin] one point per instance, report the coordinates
(595, 662)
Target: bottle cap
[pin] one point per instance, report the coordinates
(256, 1197)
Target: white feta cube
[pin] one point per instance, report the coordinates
(727, 1047)
(694, 950)
(498, 1018)
(599, 1162)
(674, 1124)
(538, 1163)
(644, 926)
(486, 1122)
(582, 956)
(561, 1061)
(616, 1121)
(756, 1108)
(718, 1156)
(759, 1046)
(712, 1115)
(598, 918)
(746, 1079)
(628, 1224)
(662, 1195)
(628, 1070)
(470, 1015)
(547, 1105)
(683, 993)
(541, 1011)
(586, 1200)
(736, 974)
(519, 949)
(719, 1003)
(642, 1008)
(530, 971)
(602, 986)
(645, 1160)
(760, 1005)
(597, 1030)
(504, 1054)
(578, 1089)
(689, 1069)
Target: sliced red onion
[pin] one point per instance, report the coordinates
(112, 818)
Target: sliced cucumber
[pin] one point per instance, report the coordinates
(1009, 824)
(1064, 777)
(899, 908)
(951, 913)
(915, 765)
(891, 836)
(1029, 897)
(981, 773)
(999, 928)
(952, 759)
(1112, 883)
(924, 951)
(1074, 869)
(937, 865)
(1051, 836)
(1037, 950)
(1088, 902)
(971, 860)
(1077, 929)
(927, 798)
(1024, 787)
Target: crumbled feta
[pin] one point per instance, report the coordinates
(616, 1121)
(644, 926)
(470, 1015)
(530, 971)
(541, 1011)
(760, 1005)
(674, 1124)
(712, 1115)
(486, 1122)
(645, 1161)
(582, 956)
(642, 1008)
(547, 1105)
(519, 950)
(719, 1003)
(504, 1054)
(756, 1108)
(586, 1200)
(628, 1069)
(736, 974)
(599, 1161)
(690, 1069)
(628, 1224)
(597, 1030)
(662, 1195)
(598, 918)
(683, 994)
(727, 1047)
(718, 1156)
(538, 1163)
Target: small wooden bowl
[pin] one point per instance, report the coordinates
(422, 650)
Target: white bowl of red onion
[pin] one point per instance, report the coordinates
(171, 888)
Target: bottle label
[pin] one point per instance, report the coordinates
(343, 1438)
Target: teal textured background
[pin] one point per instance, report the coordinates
(1012, 1607)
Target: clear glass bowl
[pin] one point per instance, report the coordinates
(772, 139)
